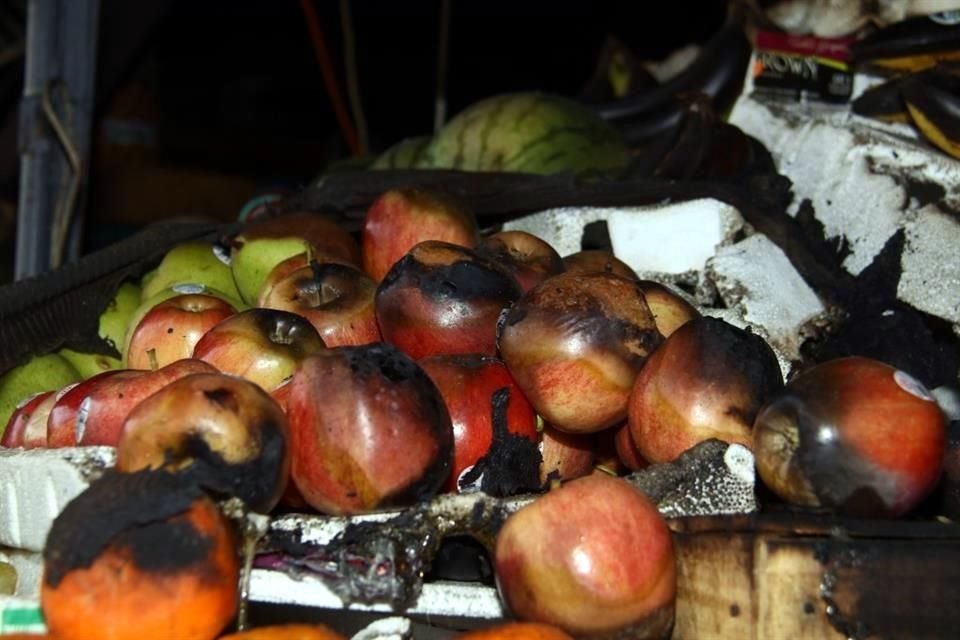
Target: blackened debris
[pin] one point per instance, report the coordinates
(512, 464)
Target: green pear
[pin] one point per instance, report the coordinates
(190, 262)
(112, 328)
(48, 372)
(165, 294)
(251, 261)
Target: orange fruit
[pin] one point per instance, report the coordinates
(516, 631)
(287, 632)
(165, 567)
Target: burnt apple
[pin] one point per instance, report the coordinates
(262, 345)
(708, 380)
(403, 217)
(471, 386)
(337, 299)
(443, 298)
(171, 329)
(224, 431)
(575, 344)
(529, 258)
(100, 419)
(381, 437)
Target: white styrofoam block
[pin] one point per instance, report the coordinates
(828, 163)
(36, 484)
(672, 239)
(756, 277)
(930, 280)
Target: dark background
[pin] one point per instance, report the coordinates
(233, 99)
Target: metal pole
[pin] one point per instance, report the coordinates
(59, 74)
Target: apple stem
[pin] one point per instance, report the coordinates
(152, 357)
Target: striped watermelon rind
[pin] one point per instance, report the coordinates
(526, 132)
(405, 154)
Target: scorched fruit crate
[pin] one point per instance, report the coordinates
(825, 541)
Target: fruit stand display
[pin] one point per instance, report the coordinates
(553, 372)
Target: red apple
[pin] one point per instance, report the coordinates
(593, 557)
(402, 218)
(226, 431)
(62, 427)
(262, 345)
(442, 298)
(596, 260)
(13, 435)
(338, 300)
(530, 259)
(382, 437)
(104, 410)
(854, 435)
(565, 455)
(323, 235)
(171, 329)
(627, 450)
(708, 380)
(35, 429)
(575, 343)
(469, 385)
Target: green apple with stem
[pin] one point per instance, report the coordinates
(191, 263)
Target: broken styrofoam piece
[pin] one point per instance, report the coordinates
(672, 239)
(828, 163)
(389, 628)
(659, 241)
(930, 281)
(36, 484)
(756, 277)
(460, 599)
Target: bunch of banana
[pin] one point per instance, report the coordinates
(929, 99)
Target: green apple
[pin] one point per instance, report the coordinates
(190, 262)
(166, 294)
(252, 260)
(112, 328)
(47, 372)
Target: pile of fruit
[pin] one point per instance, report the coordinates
(302, 369)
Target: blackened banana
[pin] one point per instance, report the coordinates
(909, 45)
(718, 72)
(883, 102)
(935, 111)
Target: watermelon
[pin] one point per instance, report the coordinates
(403, 155)
(527, 132)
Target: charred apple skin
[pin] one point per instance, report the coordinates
(854, 435)
(442, 298)
(224, 431)
(593, 557)
(575, 344)
(369, 430)
(708, 380)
